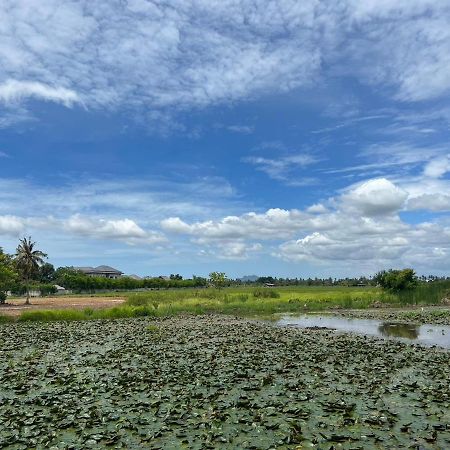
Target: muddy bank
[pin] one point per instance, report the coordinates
(438, 315)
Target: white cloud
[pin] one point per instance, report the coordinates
(361, 225)
(242, 129)
(430, 202)
(437, 167)
(11, 225)
(3, 155)
(408, 43)
(237, 250)
(14, 91)
(320, 248)
(317, 208)
(161, 56)
(375, 197)
(284, 168)
(275, 223)
(427, 193)
(122, 229)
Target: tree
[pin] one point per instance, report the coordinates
(46, 273)
(218, 279)
(396, 280)
(7, 275)
(175, 276)
(28, 261)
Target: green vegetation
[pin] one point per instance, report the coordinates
(28, 260)
(79, 282)
(222, 383)
(5, 319)
(397, 280)
(265, 293)
(218, 279)
(8, 275)
(425, 293)
(247, 302)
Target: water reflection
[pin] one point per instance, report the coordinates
(401, 330)
(424, 334)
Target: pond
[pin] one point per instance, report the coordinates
(422, 334)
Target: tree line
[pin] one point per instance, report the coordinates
(27, 271)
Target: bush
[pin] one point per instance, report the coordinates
(265, 293)
(2, 297)
(397, 280)
(47, 289)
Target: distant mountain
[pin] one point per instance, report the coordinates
(248, 278)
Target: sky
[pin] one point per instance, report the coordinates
(261, 137)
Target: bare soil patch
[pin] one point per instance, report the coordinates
(17, 306)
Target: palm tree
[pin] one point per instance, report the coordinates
(28, 261)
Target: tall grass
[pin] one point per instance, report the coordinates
(426, 293)
(4, 319)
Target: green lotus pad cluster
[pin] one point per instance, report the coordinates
(218, 383)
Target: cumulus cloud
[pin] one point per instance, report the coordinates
(123, 229)
(269, 225)
(321, 248)
(430, 202)
(317, 208)
(427, 193)
(363, 224)
(375, 197)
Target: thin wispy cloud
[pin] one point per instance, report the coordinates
(14, 91)
(350, 122)
(242, 129)
(284, 168)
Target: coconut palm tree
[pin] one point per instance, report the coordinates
(28, 260)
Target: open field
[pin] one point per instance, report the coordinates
(216, 382)
(15, 307)
(241, 301)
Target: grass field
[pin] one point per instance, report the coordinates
(243, 301)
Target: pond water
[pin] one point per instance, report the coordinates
(422, 334)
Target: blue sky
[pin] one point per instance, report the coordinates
(253, 137)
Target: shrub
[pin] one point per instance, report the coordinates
(397, 280)
(265, 293)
